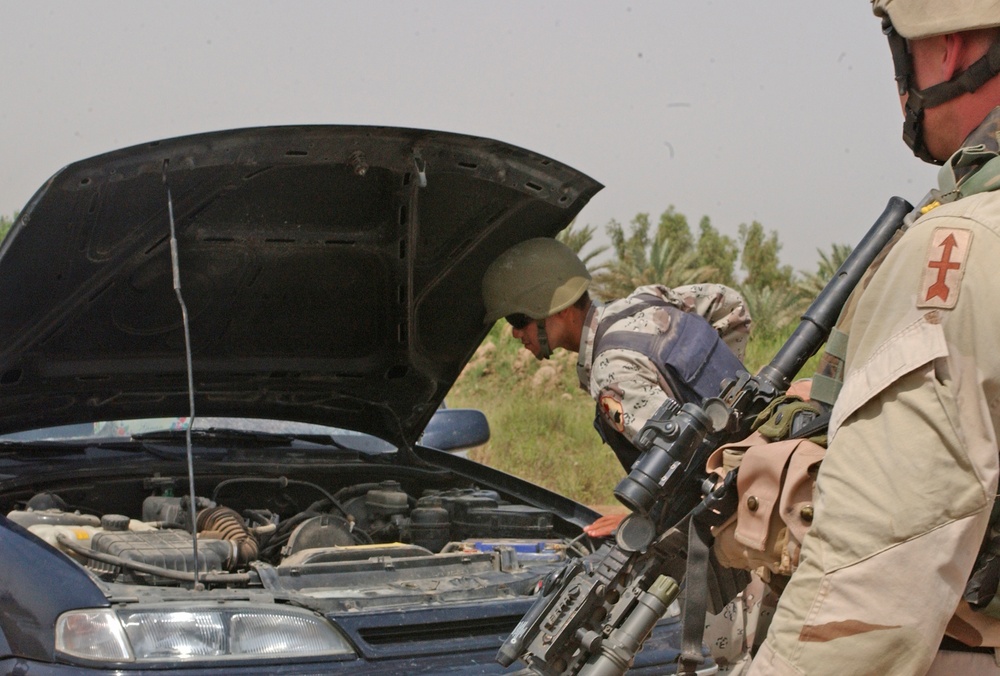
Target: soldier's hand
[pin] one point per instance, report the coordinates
(800, 388)
(604, 526)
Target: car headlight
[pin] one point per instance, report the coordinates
(151, 634)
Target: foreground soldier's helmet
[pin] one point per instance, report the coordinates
(538, 278)
(904, 20)
(915, 19)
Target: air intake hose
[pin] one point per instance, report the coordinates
(228, 525)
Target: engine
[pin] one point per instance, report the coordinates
(235, 534)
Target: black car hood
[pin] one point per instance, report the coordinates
(331, 274)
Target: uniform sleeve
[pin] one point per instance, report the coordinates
(904, 494)
(629, 390)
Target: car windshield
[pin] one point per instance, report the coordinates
(139, 428)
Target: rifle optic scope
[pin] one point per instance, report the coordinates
(667, 448)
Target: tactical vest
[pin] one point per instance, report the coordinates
(691, 358)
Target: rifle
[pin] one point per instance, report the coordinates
(592, 615)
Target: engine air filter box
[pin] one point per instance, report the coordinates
(169, 549)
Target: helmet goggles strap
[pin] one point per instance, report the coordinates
(544, 351)
(520, 322)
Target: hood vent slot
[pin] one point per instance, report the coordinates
(440, 631)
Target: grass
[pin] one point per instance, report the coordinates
(542, 421)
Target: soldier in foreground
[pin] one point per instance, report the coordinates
(898, 573)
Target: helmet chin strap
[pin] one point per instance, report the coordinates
(544, 351)
(918, 100)
(913, 129)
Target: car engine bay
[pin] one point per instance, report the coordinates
(293, 537)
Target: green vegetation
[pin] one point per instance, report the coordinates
(542, 422)
(6, 223)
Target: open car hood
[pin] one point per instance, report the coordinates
(331, 274)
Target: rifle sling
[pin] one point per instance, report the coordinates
(696, 595)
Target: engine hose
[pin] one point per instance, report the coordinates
(349, 492)
(230, 526)
(282, 482)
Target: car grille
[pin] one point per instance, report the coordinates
(439, 631)
(447, 629)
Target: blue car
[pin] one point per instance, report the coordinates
(222, 446)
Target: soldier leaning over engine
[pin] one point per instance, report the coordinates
(905, 493)
(637, 356)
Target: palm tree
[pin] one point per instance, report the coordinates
(813, 282)
(641, 261)
(774, 309)
(578, 239)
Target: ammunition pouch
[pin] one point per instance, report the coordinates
(775, 482)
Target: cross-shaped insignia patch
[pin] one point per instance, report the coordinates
(610, 405)
(944, 268)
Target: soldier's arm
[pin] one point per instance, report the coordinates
(630, 389)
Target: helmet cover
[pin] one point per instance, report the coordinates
(537, 277)
(916, 19)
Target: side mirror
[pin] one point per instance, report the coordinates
(453, 429)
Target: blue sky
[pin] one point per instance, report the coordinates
(777, 111)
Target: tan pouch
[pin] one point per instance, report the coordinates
(775, 488)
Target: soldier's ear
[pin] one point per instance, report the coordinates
(572, 316)
(961, 50)
(956, 52)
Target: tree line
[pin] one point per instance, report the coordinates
(672, 255)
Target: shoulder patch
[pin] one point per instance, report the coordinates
(610, 405)
(944, 268)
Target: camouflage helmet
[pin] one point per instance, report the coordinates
(915, 19)
(538, 278)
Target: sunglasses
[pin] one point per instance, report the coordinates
(518, 320)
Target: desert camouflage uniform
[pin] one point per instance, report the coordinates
(630, 390)
(905, 492)
(628, 379)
